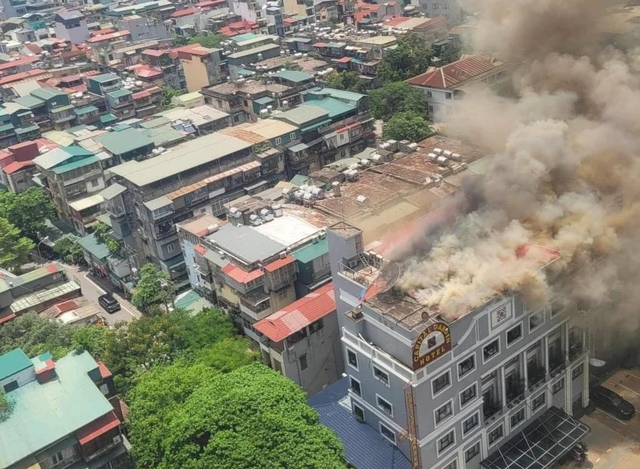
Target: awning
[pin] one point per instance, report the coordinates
(542, 443)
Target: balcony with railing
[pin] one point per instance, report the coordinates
(556, 362)
(256, 305)
(491, 408)
(536, 375)
(514, 388)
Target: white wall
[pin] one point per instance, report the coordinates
(75, 35)
(24, 377)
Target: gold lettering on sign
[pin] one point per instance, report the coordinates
(444, 346)
(412, 430)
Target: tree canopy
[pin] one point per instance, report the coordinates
(36, 335)
(104, 234)
(209, 42)
(28, 210)
(14, 248)
(68, 249)
(191, 417)
(349, 81)
(154, 290)
(407, 126)
(411, 57)
(394, 98)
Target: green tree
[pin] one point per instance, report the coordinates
(394, 98)
(68, 248)
(14, 248)
(35, 336)
(104, 234)
(228, 354)
(451, 53)
(6, 407)
(349, 81)
(153, 291)
(210, 42)
(411, 57)
(101, 231)
(159, 340)
(290, 65)
(252, 418)
(167, 95)
(407, 126)
(93, 339)
(179, 40)
(28, 210)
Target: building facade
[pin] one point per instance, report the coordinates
(454, 393)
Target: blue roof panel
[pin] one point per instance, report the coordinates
(364, 447)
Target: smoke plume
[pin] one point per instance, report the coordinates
(564, 172)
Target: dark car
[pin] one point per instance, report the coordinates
(612, 402)
(109, 303)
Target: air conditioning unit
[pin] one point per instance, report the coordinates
(117, 440)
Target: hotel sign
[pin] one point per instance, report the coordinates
(431, 344)
(412, 427)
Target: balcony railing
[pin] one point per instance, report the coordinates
(536, 375)
(575, 350)
(515, 389)
(556, 363)
(490, 409)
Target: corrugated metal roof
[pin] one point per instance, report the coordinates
(278, 264)
(112, 191)
(293, 75)
(241, 276)
(155, 204)
(63, 168)
(298, 314)
(245, 243)
(13, 362)
(302, 114)
(312, 251)
(60, 155)
(96, 249)
(124, 141)
(87, 202)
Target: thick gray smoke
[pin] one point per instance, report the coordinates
(565, 169)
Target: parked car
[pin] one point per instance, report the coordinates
(109, 303)
(612, 402)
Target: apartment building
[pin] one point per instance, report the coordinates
(334, 124)
(51, 108)
(441, 86)
(202, 67)
(71, 26)
(17, 124)
(102, 84)
(74, 178)
(302, 341)
(169, 64)
(16, 163)
(195, 177)
(480, 389)
(64, 413)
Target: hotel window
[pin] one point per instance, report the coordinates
(352, 358)
(514, 334)
(496, 434)
(470, 423)
(577, 371)
(446, 441)
(441, 382)
(557, 387)
(538, 401)
(491, 350)
(517, 418)
(387, 433)
(466, 365)
(444, 412)
(355, 386)
(468, 395)
(381, 375)
(472, 452)
(384, 406)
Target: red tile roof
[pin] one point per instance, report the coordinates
(210, 3)
(455, 73)
(200, 249)
(280, 263)
(104, 371)
(185, 52)
(319, 44)
(101, 32)
(155, 53)
(147, 72)
(239, 275)
(8, 317)
(18, 62)
(65, 306)
(186, 12)
(148, 92)
(97, 427)
(298, 314)
(108, 37)
(239, 27)
(344, 60)
(36, 72)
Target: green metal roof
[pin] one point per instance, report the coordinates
(315, 126)
(299, 180)
(85, 110)
(124, 141)
(293, 75)
(63, 168)
(106, 118)
(119, 93)
(155, 122)
(6, 127)
(244, 37)
(106, 77)
(303, 114)
(312, 251)
(335, 107)
(43, 414)
(62, 108)
(96, 249)
(13, 362)
(47, 93)
(24, 130)
(29, 101)
(263, 101)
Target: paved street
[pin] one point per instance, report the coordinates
(92, 288)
